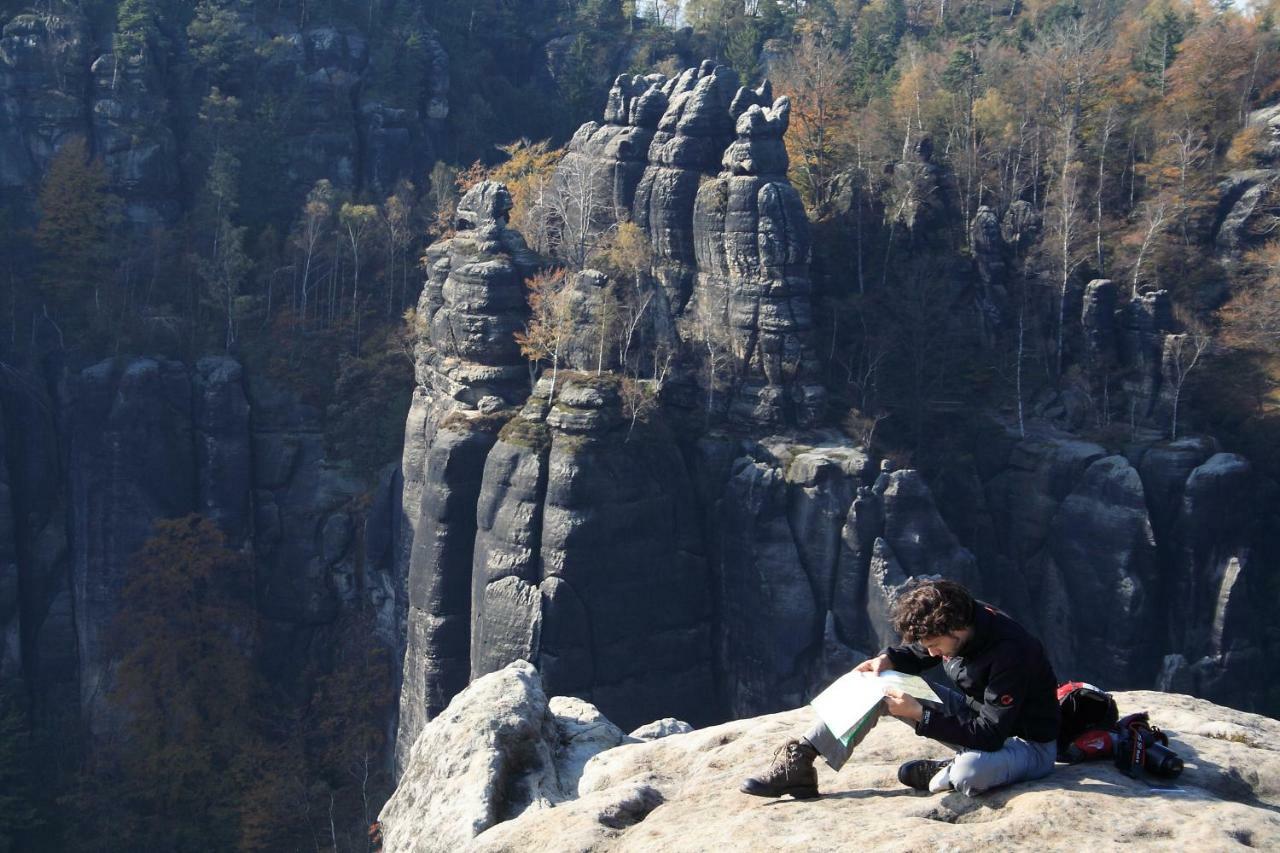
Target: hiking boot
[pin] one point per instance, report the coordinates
(917, 774)
(791, 773)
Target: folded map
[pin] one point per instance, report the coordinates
(847, 706)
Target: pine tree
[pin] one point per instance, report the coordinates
(18, 813)
(185, 686)
(78, 218)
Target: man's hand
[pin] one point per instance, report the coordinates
(876, 665)
(902, 705)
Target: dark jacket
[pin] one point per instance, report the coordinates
(1008, 685)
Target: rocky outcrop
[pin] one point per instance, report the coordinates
(58, 80)
(306, 533)
(341, 130)
(1246, 197)
(131, 132)
(500, 749)
(44, 69)
(604, 162)
(468, 369)
(691, 138)
(125, 422)
(80, 493)
(588, 561)
(574, 530)
(680, 792)
(751, 243)
(1125, 563)
(776, 510)
(729, 265)
(1097, 320)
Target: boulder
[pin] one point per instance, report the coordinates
(498, 750)
(665, 727)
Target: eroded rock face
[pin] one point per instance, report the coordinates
(691, 137)
(130, 125)
(122, 429)
(44, 66)
(588, 561)
(1232, 777)
(1117, 561)
(892, 533)
(125, 422)
(58, 80)
(751, 243)
(699, 165)
(468, 368)
(474, 303)
(237, 450)
(605, 161)
(775, 514)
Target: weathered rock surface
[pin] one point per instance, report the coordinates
(1118, 560)
(691, 137)
(468, 368)
(125, 422)
(776, 513)
(587, 559)
(59, 79)
(751, 244)
(80, 492)
(498, 750)
(44, 68)
(680, 792)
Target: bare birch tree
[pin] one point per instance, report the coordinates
(1182, 353)
(1154, 214)
(579, 213)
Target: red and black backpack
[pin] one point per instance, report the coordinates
(1088, 716)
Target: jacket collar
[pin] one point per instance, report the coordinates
(983, 622)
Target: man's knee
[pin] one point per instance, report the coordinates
(975, 772)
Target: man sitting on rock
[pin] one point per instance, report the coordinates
(1002, 721)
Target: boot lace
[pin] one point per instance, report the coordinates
(783, 758)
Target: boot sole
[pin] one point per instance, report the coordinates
(799, 793)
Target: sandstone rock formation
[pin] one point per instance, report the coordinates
(59, 79)
(588, 561)
(240, 450)
(491, 768)
(1246, 202)
(1116, 559)
(691, 137)
(751, 243)
(44, 64)
(733, 565)
(468, 369)
(499, 750)
(567, 539)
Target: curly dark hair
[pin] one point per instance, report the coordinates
(931, 608)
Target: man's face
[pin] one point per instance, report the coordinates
(943, 645)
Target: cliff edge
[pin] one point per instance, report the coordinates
(679, 793)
